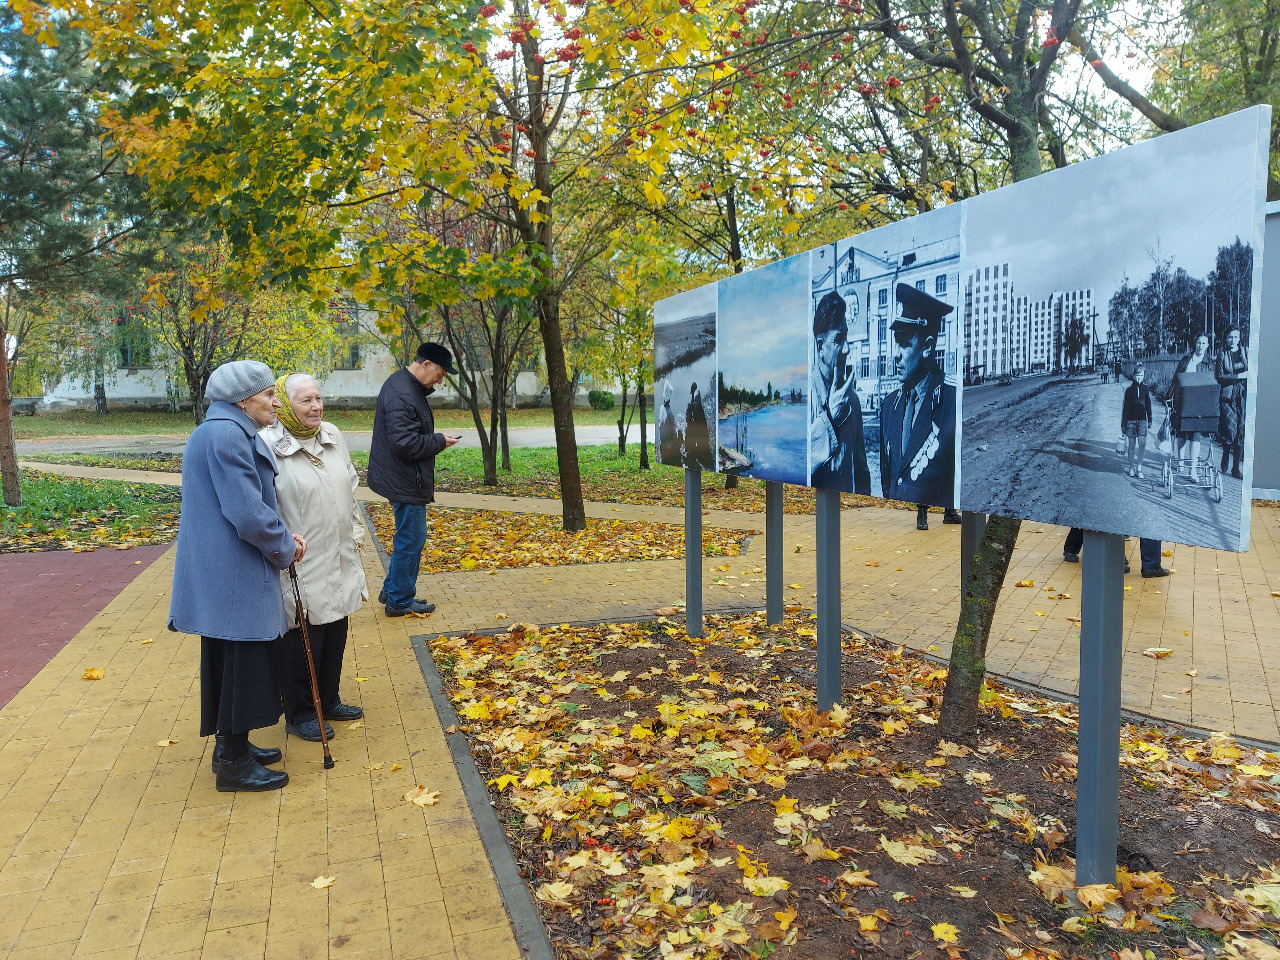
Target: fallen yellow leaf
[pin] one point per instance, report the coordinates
(166, 743)
(422, 796)
(1157, 653)
(361, 679)
(907, 854)
(1025, 583)
(555, 891)
(93, 673)
(945, 933)
(373, 766)
(395, 767)
(785, 917)
(322, 882)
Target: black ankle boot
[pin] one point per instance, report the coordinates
(1237, 465)
(1226, 458)
(248, 774)
(264, 755)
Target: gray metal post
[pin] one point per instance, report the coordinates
(828, 524)
(972, 526)
(773, 552)
(1101, 667)
(693, 552)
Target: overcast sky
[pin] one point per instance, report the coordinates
(692, 303)
(760, 331)
(1089, 224)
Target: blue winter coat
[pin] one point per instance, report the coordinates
(231, 541)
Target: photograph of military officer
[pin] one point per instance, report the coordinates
(837, 454)
(918, 420)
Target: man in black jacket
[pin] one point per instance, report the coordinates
(402, 460)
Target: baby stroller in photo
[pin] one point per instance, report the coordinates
(1194, 410)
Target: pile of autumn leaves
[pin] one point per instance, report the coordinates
(618, 791)
(489, 540)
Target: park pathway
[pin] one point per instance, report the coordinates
(1219, 613)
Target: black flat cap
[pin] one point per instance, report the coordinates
(436, 353)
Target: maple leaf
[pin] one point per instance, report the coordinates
(785, 917)
(857, 878)
(423, 797)
(1025, 583)
(945, 933)
(1157, 653)
(93, 673)
(322, 882)
(558, 890)
(907, 854)
(765, 886)
(166, 743)
(962, 891)
(1095, 896)
(948, 749)
(395, 767)
(784, 804)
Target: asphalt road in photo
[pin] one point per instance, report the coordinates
(1045, 449)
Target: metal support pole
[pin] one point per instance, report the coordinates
(693, 552)
(773, 552)
(1101, 666)
(828, 598)
(972, 526)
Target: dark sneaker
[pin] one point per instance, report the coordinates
(952, 516)
(343, 711)
(1070, 557)
(382, 595)
(248, 774)
(1155, 572)
(309, 730)
(264, 755)
(417, 606)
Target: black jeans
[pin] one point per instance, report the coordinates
(1149, 550)
(328, 644)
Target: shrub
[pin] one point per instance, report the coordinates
(600, 399)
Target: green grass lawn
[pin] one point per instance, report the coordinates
(64, 512)
(132, 423)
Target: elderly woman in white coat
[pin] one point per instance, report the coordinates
(315, 494)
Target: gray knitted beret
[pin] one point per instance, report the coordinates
(237, 380)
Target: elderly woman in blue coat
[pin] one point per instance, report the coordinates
(226, 585)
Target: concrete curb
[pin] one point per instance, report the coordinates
(531, 933)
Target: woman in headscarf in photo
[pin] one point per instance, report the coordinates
(668, 432)
(1232, 372)
(316, 490)
(232, 544)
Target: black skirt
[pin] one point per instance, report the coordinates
(239, 688)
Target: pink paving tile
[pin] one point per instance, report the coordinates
(47, 598)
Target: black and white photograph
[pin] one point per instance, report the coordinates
(684, 379)
(884, 346)
(761, 330)
(1111, 318)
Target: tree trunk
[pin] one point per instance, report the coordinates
(731, 221)
(197, 385)
(622, 422)
(573, 511)
(99, 389)
(504, 439)
(985, 576)
(983, 582)
(10, 479)
(644, 440)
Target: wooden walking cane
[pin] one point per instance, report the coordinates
(311, 665)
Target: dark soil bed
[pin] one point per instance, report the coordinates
(644, 777)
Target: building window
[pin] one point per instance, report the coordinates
(1006, 269)
(883, 297)
(920, 285)
(866, 368)
(940, 284)
(880, 365)
(884, 327)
